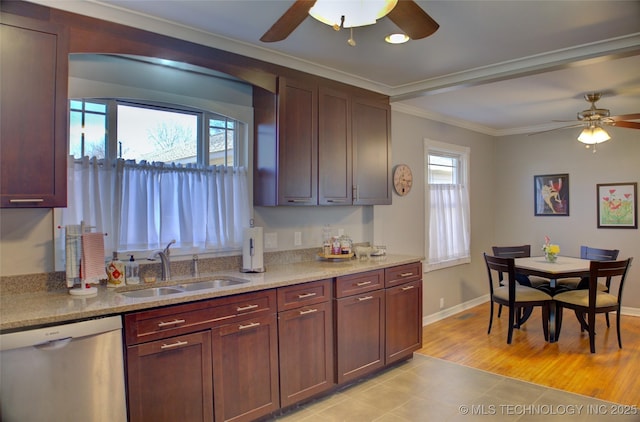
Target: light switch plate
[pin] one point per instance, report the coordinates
(297, 238)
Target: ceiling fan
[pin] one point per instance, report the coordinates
(406, 14)
(594, 118)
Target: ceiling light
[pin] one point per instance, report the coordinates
(354, 12)
(593, 134)
(396, 38)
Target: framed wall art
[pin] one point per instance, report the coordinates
(551, 194)
(617, 205)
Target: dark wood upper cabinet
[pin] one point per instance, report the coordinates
(33, 134)
(320, 145)
(371, 134)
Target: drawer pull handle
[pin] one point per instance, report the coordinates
(363, 283)
(362, 299)
(306, 295)
(406, 274)
(308, 311)
(174, 345)
(14, 201)
(246, 308)
(407, 288)
(250, 325)
(174, 322)
(298, 201)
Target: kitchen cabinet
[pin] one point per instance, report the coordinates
(305, 336)
(33, 122)
(171, 379)
(286, 144)
(317, 144)
(245, 369)
(403, 310)
(371, 134)
(217, 357)
(360, 324)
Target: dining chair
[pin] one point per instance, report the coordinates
(521, 251)
(514, 295)
(597, 254)
(594, 301)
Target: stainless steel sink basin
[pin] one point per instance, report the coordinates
(152, 292)
(211, 284)
(186, 287)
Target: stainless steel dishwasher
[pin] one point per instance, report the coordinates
(71, 372)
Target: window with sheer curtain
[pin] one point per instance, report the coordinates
(447, 205)
(168, 174)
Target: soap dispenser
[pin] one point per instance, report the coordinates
(132, 271)
(115, 271)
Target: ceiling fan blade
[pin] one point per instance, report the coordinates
(414, 21)
(289, 21)
(630, 125)
(635, 116)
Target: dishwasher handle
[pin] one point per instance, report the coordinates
(54, 344)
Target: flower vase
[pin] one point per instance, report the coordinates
(550, 257)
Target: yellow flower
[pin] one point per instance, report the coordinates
(554, 249)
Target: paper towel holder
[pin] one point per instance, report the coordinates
(252, 250)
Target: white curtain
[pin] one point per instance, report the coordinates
(143, 206)
(449, 233)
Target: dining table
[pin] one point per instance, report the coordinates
(563, 267)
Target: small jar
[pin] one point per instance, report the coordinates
(345, 245)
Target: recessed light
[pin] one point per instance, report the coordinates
(396, 38)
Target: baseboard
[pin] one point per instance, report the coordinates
(430, 319)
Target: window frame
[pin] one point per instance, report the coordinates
(463, 154)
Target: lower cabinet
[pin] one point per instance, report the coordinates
(171, 379)
(403, 309)
(305, 336)
(360, 325)
(204, 361)
(243, 357)
(245, 369)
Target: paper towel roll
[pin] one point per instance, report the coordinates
(252, 250)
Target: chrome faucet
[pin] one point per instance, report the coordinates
(165, 261)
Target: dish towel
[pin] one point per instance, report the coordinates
(92, 268)
(72, 253)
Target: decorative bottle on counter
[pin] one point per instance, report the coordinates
(132, 271)
(115, 272)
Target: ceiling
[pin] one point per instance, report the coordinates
(496, 67)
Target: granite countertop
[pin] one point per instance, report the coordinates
(35, 309)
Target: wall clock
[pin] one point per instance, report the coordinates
(402, 179)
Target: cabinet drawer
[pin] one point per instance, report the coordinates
(402, 274)
(292, 297)
(164, 322)
(359, 283)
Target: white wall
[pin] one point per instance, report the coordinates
(401, 226)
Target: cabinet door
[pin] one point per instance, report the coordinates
(404, 320)
(33, 125)
(360, 331)
(245, 369)
(171, 379)
(305, 338)
(334, 147)
(371, 134)
(297, 143)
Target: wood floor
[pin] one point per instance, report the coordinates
(610, 374)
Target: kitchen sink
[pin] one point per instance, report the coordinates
(211, 284)
(152, 292)
(186, 287)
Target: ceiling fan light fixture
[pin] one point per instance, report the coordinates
(396, 38)
(355, 12)
(593, 135)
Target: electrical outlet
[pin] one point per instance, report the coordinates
(297, 238)
(340, 232)
(271, 240)
(441, 303)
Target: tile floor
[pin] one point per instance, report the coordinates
(431, 389)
